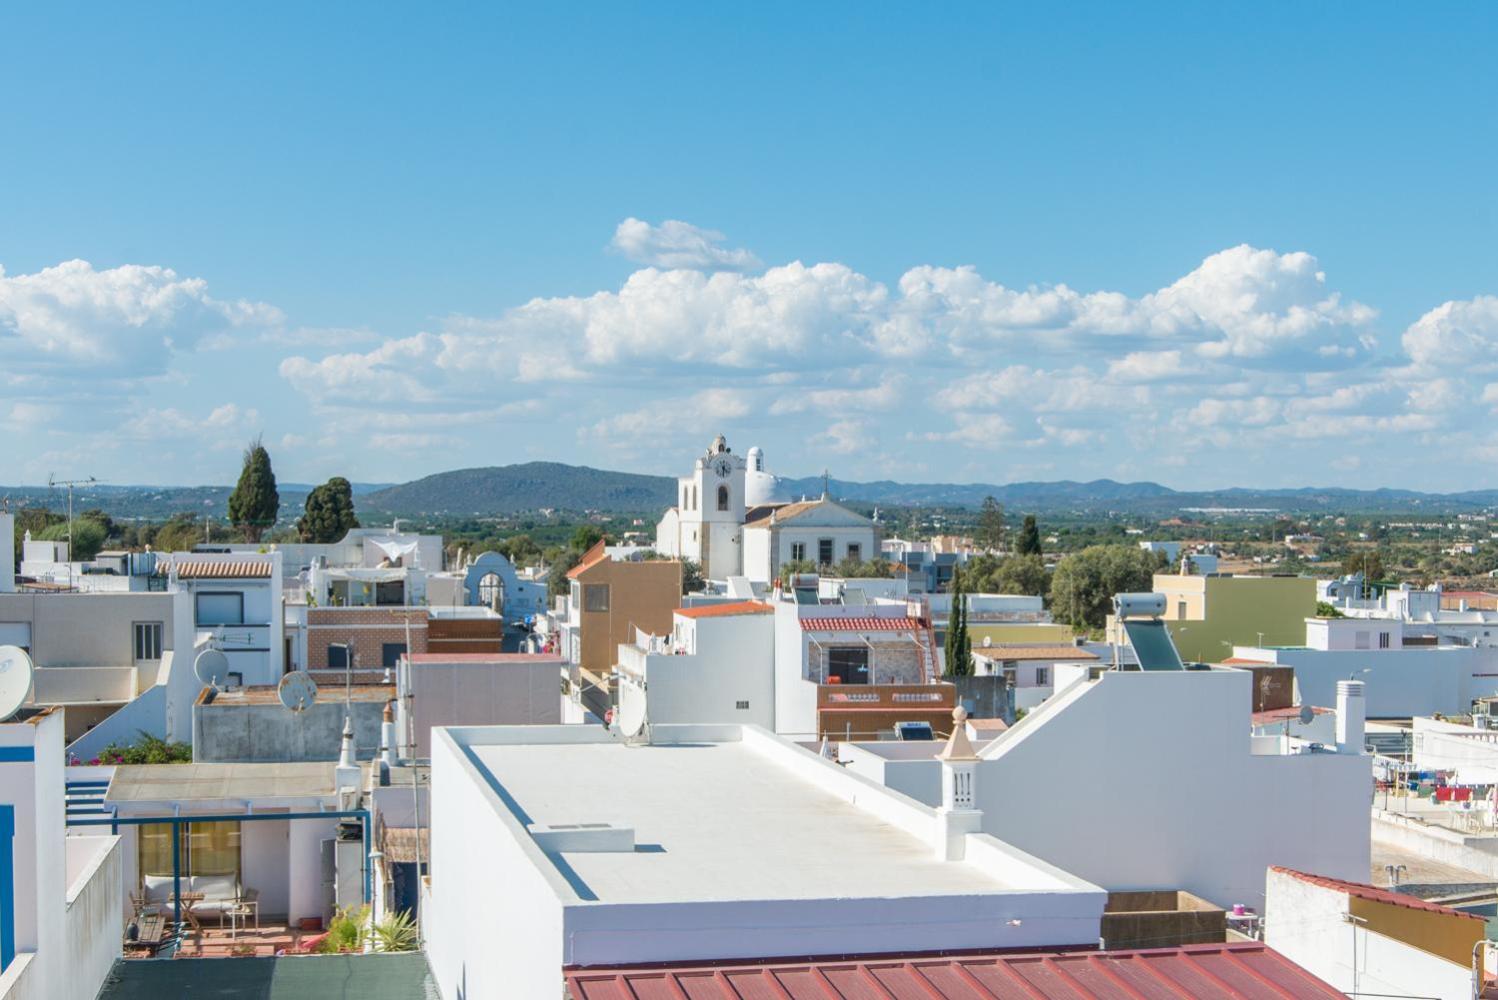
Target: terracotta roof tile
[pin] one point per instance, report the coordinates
(1373, 893)
(223, 569)
(597, 554)
(859, 625)
(727, 610)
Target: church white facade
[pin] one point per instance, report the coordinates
(733, 519)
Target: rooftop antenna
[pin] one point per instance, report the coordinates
(15, 680)
(826, 485)
(52, 483)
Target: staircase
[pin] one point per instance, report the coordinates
(85, 800)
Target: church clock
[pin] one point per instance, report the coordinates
(723, 467)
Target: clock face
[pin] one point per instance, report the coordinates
(723, 467)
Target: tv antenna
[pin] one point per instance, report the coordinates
(52, 483)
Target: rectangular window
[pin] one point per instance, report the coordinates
(220, 609)
(147, 641)
(798, 552)
(855, 552)
(742, 706)
(390, 593)
(596, 597)
(390, 652)
(849, 664)
(337, 656)
(1383, 640)
(1180, 610)
(1042, 676)
(206, 849)
(824, 552)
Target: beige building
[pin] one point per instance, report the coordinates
(611, 599)
(1209, 614)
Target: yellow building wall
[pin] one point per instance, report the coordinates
(1444, 934)
(1038, 634)
(1228, 611)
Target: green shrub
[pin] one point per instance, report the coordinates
(397, 932)
(147, 750)
(346, 933)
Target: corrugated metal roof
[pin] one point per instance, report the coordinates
(859, 624)
(1374, 894)
(1245, 971)
(223, 569)
(182, 782)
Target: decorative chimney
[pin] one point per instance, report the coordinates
(1352, 711)
(958, 815)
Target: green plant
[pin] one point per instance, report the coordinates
(396, 932)
(330, 512)
(147, 750)
(1326, 610)
(346, 932)
(255, 500)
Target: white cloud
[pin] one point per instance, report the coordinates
(1147, 366)
(675, 245)
(1456, 334)
(122, 322)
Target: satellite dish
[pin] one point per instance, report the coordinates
(631, 713)
(15, 680)
(211, 666)
(1307, 714)
(297, 690)
(987, 641)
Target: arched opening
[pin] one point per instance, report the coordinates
(492, 591)
(722, 497)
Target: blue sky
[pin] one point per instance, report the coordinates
(1206, 244)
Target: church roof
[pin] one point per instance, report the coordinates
(792, 511)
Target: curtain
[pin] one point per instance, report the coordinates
(207, 849)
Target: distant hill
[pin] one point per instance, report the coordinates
(508, 489)
(511, 489)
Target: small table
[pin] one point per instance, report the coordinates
(242, 909)
(188, 900)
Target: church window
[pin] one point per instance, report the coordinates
(694, 498)
(722, 497)
(855, 552)
(824, 552)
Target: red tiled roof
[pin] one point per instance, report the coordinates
(859, 625)
(1373, 893)
(724, 610)
(1206, 972)
(224, 569)
(597, 554)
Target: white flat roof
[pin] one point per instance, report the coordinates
(719, 821)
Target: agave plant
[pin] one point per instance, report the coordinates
(396, 932)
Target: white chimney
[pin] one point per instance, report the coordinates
(958, 815)
(346, 774)
(1351, 714)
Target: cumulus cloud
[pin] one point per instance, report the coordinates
(676, 245)
(121, 322)
(1456, 334)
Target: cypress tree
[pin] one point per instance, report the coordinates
(1029, 538)
(330, 512)
(254, 502)
(958, 649)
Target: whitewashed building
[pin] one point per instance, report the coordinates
(707, 843)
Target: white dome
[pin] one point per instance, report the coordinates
(759, 486)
